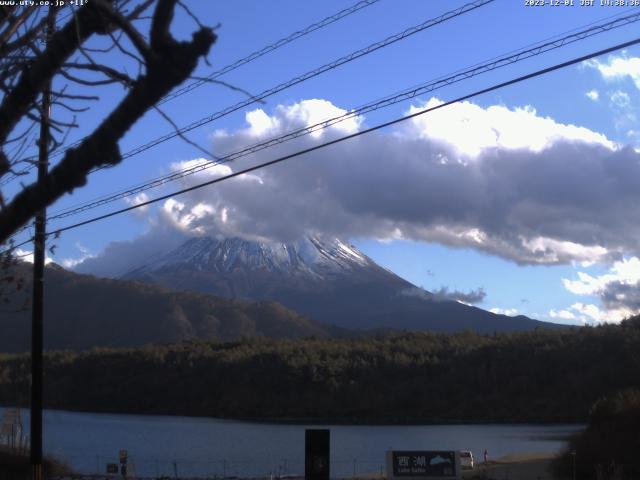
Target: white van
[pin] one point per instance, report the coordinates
(466, 460)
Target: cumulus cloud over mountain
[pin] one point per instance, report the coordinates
(471, 297)
(507, 181)
(618, 291)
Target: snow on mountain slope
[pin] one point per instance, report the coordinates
(310, 256)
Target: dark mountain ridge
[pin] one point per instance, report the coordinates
(82, 311)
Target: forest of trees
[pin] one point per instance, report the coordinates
(608, 447)
(539, 376)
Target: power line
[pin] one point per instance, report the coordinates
(353, 135)
(232, 66)
(461, 75)
(302, 78)
(269, 48)
(12, 248)
(299, 79)
(306, 76)
(341, 139)
(312, 73)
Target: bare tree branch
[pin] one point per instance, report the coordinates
(118, 44)
(134, 35)
(169, 63)
(69, 107)
(60, 47)
(140, 9)
(182, 135)
(104, 69)
(190, 13)
(13, 26)
(75, 97)
(24, 40)
(227, 85)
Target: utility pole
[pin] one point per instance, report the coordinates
(38, 278)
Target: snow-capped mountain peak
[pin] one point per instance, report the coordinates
(326, 280)
(310, 255)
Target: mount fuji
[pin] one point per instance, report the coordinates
(326, 280)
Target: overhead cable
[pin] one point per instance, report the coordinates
(232, 66)
(269, 48)
(382, 103)
(281, 159)
(311, 74)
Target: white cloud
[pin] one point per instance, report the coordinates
(511, 312)
(562, 314)
(140, 198)
(626, 271)
(472, 297)
(618, 68)
(304, 114)
(85, 254)
(618, 291)
(204, 168)
(506, 181)
(575, 315)
(118, 258)
(620, 99)
(593, 95)
(471, 129)
(311, 112)
(593, 314)
(588, 314)
(550, 250)
(187, 219)
(71, 263)
(27, 256)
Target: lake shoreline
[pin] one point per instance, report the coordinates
(523, 466)
(341, 421)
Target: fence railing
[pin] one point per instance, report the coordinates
(225, 468)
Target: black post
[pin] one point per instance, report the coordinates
(316, 457)
(38, 281)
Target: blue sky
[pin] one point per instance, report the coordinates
(550, 145)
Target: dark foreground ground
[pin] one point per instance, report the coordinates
(516, 467)
(16, 466)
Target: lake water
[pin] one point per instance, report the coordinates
(193, 446)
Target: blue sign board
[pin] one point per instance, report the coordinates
(423, 464)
